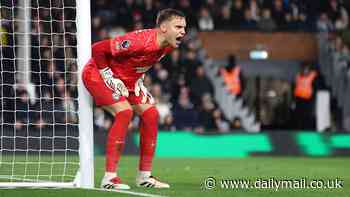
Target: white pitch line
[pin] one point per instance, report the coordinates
(94, 189)
(20, 179)
(127, 192)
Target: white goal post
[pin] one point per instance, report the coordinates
(46, 119)
(86, 150)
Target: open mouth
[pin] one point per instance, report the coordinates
(178, 39)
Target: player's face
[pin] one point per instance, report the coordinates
(175, 31)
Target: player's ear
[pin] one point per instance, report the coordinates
(163, 27)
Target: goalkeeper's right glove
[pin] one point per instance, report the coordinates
(115, 84)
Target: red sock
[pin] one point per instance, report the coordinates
(116, 138)
(148, 135)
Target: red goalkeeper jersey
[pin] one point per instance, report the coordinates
(130, 55)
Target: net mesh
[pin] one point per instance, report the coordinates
(38, 91)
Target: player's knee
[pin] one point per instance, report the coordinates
(126, 113)
(117, 107)
(151, 113)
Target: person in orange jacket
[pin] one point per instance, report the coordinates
(305, 87)
(232, 76)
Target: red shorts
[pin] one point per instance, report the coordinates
(100, 92)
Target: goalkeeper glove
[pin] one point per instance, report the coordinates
(140, 87)
(114, 84)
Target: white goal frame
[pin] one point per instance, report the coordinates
(85, 176)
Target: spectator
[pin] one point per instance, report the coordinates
(334, 10)
(48, 76)
(200, 85)
(101, 120)
(266, 23)
(161, 76)
(205, 21)
(304, 94)
(97, 26)
(248, 22)
(149, 12)
(324, 24)
(254, 10)
(72, 82)
(177, 87)
(303, 23)
(58, 52)
(161, 100)
(206, 113)
(45, 106)
(22, 107)
(3, 36)
(278, 13)
(155, 70)
(62, 102)
(7, 67)
(213, 7)
(69, 109)
(103, 11)
(237, 14)
(292, 17)
(138, 25)
(342, 21)
(221, 124)
(291, 22)
(233, 77)
(338, 44)
(189, 65)
(236, 124)
(185, 7)
(173, 65)
(125, 12)
(185, 116)
(224, 20)
(168, 124)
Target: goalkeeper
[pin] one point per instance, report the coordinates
(114, 78)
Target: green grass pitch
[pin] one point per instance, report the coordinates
(186, 177)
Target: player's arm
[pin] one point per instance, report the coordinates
(102, 55)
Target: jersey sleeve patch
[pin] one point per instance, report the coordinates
(122, 45)
(125, 44)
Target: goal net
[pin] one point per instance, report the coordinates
(40, 94)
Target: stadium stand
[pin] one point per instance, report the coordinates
(173, 84)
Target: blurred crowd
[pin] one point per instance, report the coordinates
(183, 92)
(227, 15)
(49, 98)
(335, 66)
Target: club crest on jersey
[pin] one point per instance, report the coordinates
(142, 69)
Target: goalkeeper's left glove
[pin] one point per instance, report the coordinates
(140, 87)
